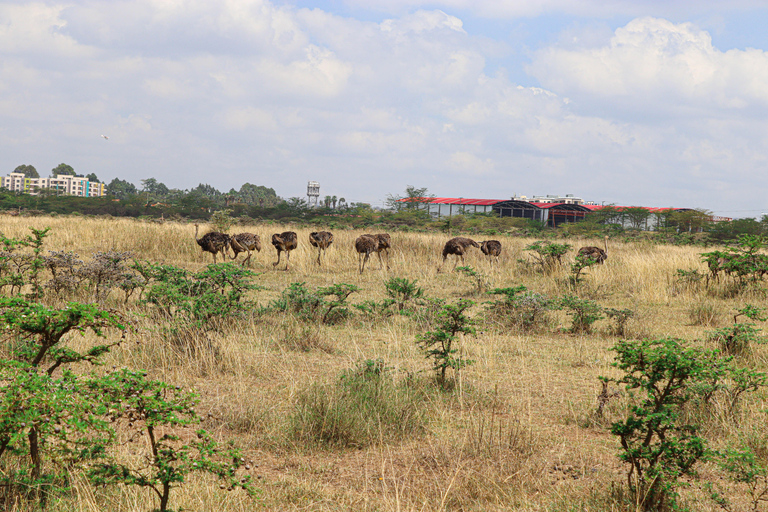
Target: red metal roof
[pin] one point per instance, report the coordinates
(455, 200)
(651, 209)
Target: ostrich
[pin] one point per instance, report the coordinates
(213, 243)
(492, 249)
(287, 242)
(322, 240)
(596, 254)
(245, 242)
(456, 246)
(365, 244)
(384, 244)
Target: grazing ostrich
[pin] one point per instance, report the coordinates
(365, 244)
(245, 242)
(596, 254)
(492, 249)
(213, 243)
(384, 244)
(286, 241)
(456, 246)
(322, 240)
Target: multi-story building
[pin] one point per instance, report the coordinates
(62, 184)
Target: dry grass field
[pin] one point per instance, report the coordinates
(518, 431)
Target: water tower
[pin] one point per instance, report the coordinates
(313, 193)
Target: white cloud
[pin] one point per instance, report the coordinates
(659, 65)
(527, 8)
(227, 92)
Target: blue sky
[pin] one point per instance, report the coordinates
(626, 102)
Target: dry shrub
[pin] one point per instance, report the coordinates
(704, 312)
(364, 406)
(305, 338)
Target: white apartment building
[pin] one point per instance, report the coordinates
(62, 184)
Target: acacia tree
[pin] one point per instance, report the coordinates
(637, 216)
(414, 199)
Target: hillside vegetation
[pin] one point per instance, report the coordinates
(410, 389)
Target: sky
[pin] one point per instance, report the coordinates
(630, 102)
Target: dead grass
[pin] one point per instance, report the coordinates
(517, 433)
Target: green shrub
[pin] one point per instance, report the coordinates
(402, 291)
(660, 377)
(312, 306)
(198, 300)
(739, 337)
(519, 308)
(480, 280)
(548, 255)
(583, 313)
(440, 344)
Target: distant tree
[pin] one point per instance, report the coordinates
(258, 195)
(327, 201)
(28, 170)
(691, 220)
(663, 217)
(298, 205)
(334, 200)
(154, 188)
(608, 214)
(731, 230)
(92, 178)
(415, 198)
(637, 216)
(121, 189)
(342, 203)
(63, 169)
(207, 191)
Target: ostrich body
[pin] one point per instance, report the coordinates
(457, 246)
(286, 241)
(384, 244)
(595, 253)
(365, 245)
(213, 242)
(491, 248)
(322, 240)
(245, 242)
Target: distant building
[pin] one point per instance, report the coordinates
(62, 184)
(551, 210)
(555, 199)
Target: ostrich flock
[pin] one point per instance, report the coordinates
(220, 243)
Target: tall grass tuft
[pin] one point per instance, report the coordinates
(364, 406)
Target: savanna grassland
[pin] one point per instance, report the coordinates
(517, 429)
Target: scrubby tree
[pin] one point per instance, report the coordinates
(92, 177)
(63, 169)
(637, 216)
(28, 170)
(121, 189)
(414, 198)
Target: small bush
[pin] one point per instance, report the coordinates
(704, 313)
(620, 318)
(739, 337)
(312, 306)
(583, 312)
(520, 308)
(364, 406)
(548, 255)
